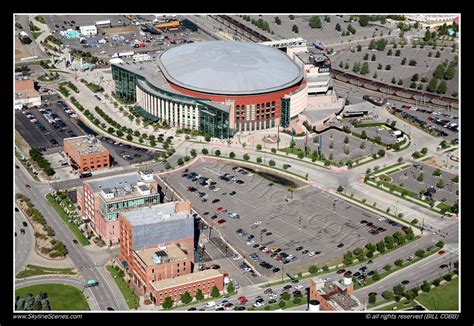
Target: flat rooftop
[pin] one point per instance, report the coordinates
(168, 254)
(185, 279)
(86, 144)
(114, 182)
(25, 89)
(154, 214)
(346, 301)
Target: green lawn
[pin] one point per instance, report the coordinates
(401, 305)
(130, 297)
(73, 227)
(444, 297)
(33, 270)
(443, 206)
(289, 304)
(36, 34)
(60, 296)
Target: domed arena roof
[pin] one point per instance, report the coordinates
(229, 68)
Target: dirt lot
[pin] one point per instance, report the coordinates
(20, 50)
(120, 30)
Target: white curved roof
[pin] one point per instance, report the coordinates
(228, 67)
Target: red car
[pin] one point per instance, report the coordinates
(406, 106)
(373, 226)
(340, 271)
(278, 258)
(221, 221)
(243, 300)
(268, 251)
(441, 252)
(219, 209)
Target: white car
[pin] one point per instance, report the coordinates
(258, 223)
(251, 242)
(290, 257)
(216, 189)
(272, 296)
(298, 287)
(258, 304)
(311, 254)
(236, 257)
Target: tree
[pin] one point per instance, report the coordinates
(346, 140)
(351, 29)
(168, 303)
(129, 137)
(438, 54)
(199, 296)
(246, 157)
(341, 65)
(315, 22)
(379, 67)
(420, 177)
(215, 292)
(217, 152)
(372, 298)
(400, 82)
(207, 137)
(440, 184)
(381, 246)
(398, 262)
(180, 161)
(285, 296)
(442, 87)
(376, 276)
(271, 163)
(420, 253)
(313, 269)
(365, 68)
(397, 53)
(259, 160)
(432, 85)
(277, 20)
(394, 80)
(389, 52)
(230, 288)
(381, 152)
(205, 151)
(295, 29)
(338, 27)
(346, 66)
(340, 188)
(387, 295)
(186, 298)
(359, 48)
(388, 67)
(437, 172)
(193, 153)
(426, 287)
(282, 304)
(404, 61)
(366, 56)
(412, 63)
(259, 147)
(387, 267)
(439, 72)
(375, 75)
(398, 289)
(232, 155)
(450, 72)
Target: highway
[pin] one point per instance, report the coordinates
(107, 293)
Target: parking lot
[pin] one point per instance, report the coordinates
(47, 132)
(408, 177)
(323, 225)
(120, 36)
(425, 66)
(328, 34)
(46, 129)
(441, 123)
(339, 150)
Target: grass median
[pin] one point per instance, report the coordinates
(73, 227)
(444, 297)
(133, 301)
(34, 270)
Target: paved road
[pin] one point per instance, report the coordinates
(107, 294)
(416, 273)
(33, 47)
(24, 243)
(89, 293)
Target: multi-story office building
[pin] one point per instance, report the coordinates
(86, 153)
(102, 199)
(157, 242)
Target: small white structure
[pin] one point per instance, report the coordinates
(313, 305)
(141, 57)
(88, 30)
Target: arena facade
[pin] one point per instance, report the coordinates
(217, 87)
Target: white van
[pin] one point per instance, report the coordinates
(210, 304)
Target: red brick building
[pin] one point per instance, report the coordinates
(157, 242)
(102, 199)
(175, 287)
(86, 153)
(333, 296)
